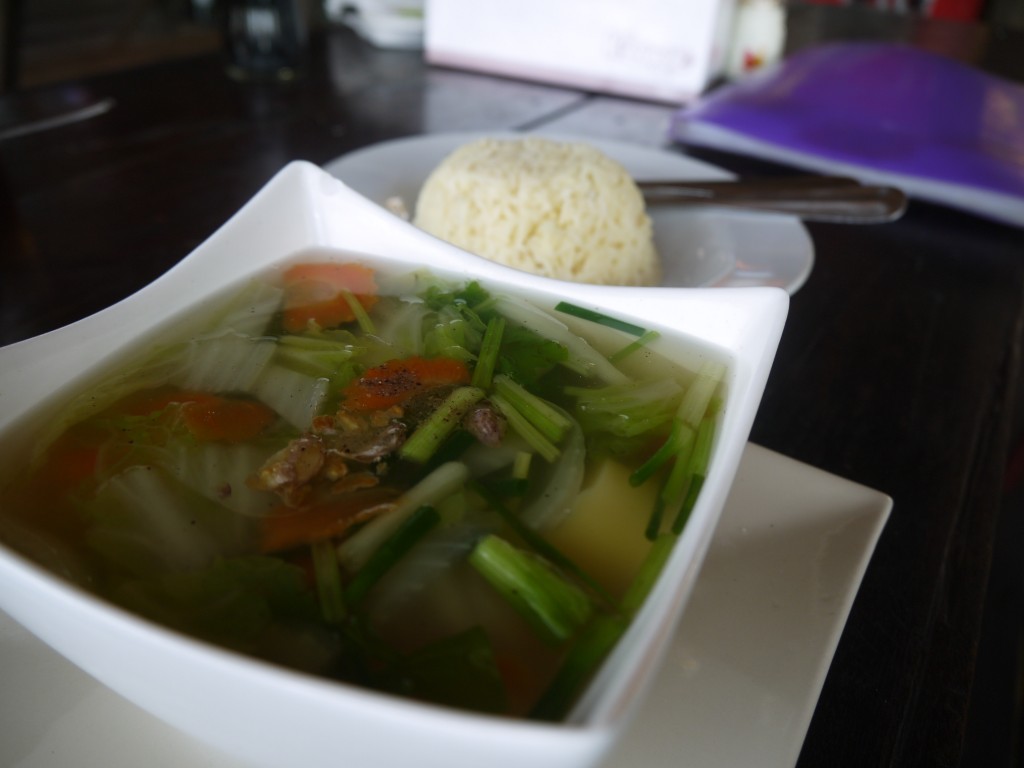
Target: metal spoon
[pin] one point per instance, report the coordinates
(814, 198)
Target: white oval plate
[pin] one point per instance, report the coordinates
(700, 247)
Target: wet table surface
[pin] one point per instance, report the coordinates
(898, 368)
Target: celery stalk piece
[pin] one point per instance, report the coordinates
(698, 397)
(488, 357)
(522, 426)
(627, 410)
(428, 437)
(548, 420)
(521, 465)
(314, 356)
(355, 551)
(365, 323)
(539, 544)
(329, 588)
(554, 606)
(391, 551)
(634, 346)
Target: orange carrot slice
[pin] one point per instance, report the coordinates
(316, 293)
(396, 381)
(289, 528)
(226, 420)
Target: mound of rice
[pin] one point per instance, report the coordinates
(559, 209)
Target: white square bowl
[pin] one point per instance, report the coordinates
(269, 716)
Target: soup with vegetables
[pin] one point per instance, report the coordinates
(404, 482)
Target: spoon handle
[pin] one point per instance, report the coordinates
(814, 198)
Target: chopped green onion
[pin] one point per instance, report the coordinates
(522, 426)
(665, 452)
(488, 357)
(650, 569)
(365, 323)
(553, 606)
(634, 346)
(330, 590)
(600, 636)
(428, 437)
(547, 419)
(391, 551)
(697, 470)
(355, 551)
(674, 489)
(583, 659)
(599, 318)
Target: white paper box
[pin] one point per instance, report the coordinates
(664, 50)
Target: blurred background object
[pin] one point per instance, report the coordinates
(384, 23)
(758, 36)
(265, 40)
(662, 50)
(49, 41)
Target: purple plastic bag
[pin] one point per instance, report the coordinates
(892, 114)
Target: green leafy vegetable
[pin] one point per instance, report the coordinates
(231, 601)
(579, 355)
(527, 356)
(472, 294)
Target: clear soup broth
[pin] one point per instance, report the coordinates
(406, 482)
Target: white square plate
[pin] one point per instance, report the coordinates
(784, 567)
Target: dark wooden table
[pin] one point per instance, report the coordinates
(899, 367)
